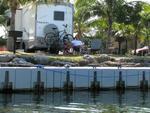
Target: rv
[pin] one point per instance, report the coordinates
(45, 26)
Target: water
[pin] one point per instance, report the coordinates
(77, 102)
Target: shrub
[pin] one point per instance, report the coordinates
(2, 41)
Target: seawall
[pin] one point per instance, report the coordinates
(56, 78)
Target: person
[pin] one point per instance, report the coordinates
(66, 47)
(76, 45)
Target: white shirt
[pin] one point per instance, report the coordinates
(77, 43)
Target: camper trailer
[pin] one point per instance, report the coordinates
(45, 26)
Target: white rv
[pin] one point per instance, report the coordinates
(44, 25)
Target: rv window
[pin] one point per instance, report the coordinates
(58, 15)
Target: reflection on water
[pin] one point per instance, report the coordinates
(76, 102)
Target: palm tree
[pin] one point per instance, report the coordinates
(107, 9)
(13, 5)
(145, 14)
(134, 18)
(3, 8)
(82, 14)
(123, 33)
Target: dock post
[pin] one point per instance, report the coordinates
(95, 85)
(120, 84)
(6, 85)
(143, 83)
(39, 85)
(68, 85)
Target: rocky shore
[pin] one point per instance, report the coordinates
(102, 60)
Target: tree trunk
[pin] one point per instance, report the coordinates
(10, 40)
(119, 48)
(109, 32)
(126, 45)
(135, 44)
(79, 32)
(147, 39)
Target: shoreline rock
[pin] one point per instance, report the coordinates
(102, 61)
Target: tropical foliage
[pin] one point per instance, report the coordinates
(12, 5)
(117, 20)
(127, 23)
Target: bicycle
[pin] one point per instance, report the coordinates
(55, 39)
(64, 35)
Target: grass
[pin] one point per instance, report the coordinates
(5, 52)
(72, 58)
(66, 58)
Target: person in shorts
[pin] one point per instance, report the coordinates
(76, 45)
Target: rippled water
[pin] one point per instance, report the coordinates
(77, 102)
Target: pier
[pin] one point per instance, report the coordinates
(42, 79)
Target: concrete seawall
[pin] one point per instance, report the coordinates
(25, 78)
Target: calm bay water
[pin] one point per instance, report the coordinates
(77, 102)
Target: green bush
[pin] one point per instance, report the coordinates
(2, 41)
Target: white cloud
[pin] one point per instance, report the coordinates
(72, 1)
(148, 1)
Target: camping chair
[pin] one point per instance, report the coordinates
(95, 45)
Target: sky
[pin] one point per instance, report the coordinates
(140, 0)
(72, 1)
